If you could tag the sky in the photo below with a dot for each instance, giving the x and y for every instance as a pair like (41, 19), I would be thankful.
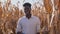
(21, 2)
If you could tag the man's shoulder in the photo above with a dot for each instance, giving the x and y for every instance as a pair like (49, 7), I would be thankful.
(35, 17)
(22, 18)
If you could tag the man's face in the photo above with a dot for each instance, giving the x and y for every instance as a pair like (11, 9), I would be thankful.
(27, 10)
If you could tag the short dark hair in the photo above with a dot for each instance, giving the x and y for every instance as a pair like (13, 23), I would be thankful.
(27, 4)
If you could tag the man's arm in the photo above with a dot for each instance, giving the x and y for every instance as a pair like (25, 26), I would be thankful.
(38, 32)
(18, 29)
(38, 26)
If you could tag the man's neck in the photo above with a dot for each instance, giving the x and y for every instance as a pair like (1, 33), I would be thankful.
(28, 16)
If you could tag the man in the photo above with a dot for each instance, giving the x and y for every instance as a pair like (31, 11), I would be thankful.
(28, 24)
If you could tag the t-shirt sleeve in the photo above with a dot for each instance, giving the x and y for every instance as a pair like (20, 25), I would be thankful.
(38, 25)
(18, 29)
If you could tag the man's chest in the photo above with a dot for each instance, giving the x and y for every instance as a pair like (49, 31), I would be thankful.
(29, 23)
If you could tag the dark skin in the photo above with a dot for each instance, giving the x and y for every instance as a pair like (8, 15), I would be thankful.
(27, 11)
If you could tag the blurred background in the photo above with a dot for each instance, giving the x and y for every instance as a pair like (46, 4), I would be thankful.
(48, 12)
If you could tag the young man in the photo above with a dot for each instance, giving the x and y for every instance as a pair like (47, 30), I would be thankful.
(28, 24)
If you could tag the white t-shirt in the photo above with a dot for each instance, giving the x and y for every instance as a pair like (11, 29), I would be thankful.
(28, 26)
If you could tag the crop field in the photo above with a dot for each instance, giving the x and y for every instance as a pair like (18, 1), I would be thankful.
(49, 15)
